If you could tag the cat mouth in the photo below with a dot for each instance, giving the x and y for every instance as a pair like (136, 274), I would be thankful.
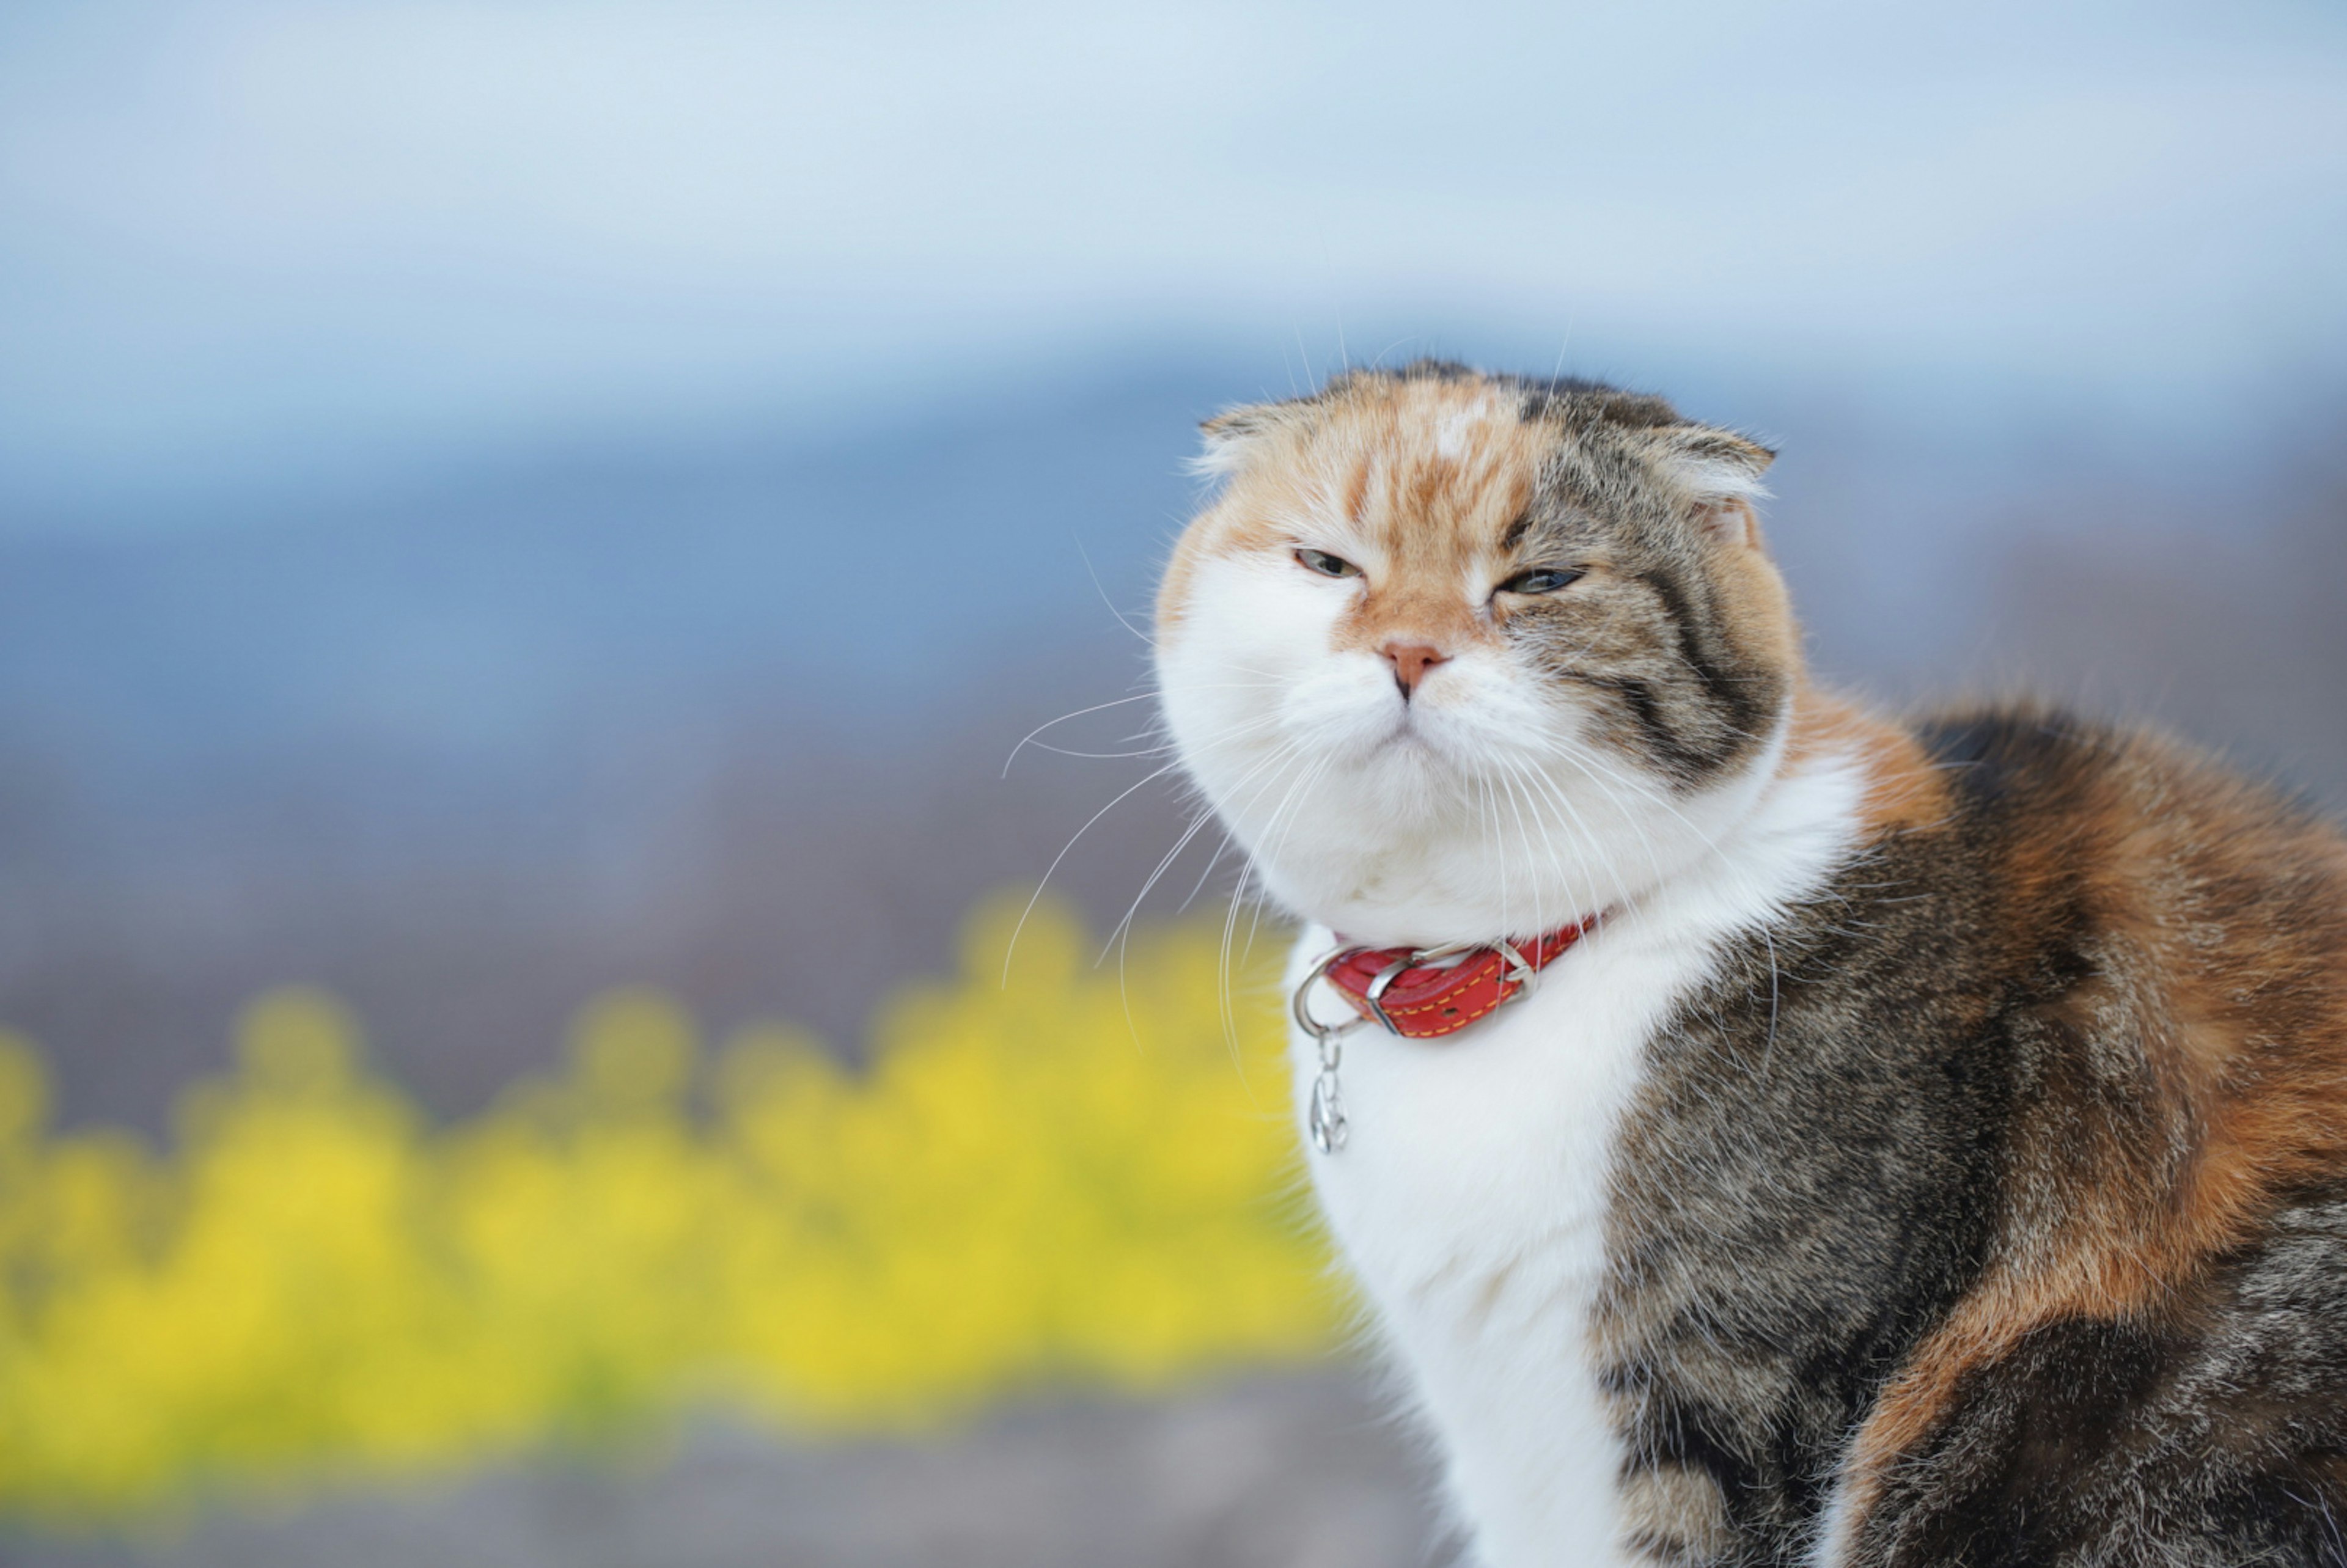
(1410, 735)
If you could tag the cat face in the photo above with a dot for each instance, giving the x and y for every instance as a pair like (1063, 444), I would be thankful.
(1459, 656)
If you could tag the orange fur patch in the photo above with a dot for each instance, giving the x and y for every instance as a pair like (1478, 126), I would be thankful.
(1425, 476)
(2111, 1215)
(1903, 790)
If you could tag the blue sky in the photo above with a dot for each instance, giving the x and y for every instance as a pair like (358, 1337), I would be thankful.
(243, 235)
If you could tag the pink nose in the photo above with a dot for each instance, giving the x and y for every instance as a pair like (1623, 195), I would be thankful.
(1410, 662)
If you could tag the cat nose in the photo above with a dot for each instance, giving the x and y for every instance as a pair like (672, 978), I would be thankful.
(1410, 662)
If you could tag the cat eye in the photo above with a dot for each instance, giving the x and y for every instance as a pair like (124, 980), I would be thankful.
(1325, 564)
(1540, 579)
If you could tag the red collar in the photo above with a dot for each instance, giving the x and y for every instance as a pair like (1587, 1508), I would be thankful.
(1425, 994)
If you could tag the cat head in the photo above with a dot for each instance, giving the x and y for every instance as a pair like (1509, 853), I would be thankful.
(1457, 656)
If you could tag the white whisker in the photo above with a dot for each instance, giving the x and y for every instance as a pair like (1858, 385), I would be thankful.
(1012, 946)
(1147, 641)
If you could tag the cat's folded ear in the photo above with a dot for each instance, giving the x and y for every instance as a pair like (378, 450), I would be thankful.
(1234, 435)
(1718, 472)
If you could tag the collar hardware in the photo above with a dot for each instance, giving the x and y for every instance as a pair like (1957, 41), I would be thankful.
(1414, 993)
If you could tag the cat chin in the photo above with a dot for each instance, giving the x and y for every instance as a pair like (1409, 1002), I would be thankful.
(1342, 859)
(1427, 847)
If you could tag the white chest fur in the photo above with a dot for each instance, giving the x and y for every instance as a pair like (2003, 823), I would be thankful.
(1471, 1201)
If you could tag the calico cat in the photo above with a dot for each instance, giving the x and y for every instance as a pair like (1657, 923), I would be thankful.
(1851, 1142)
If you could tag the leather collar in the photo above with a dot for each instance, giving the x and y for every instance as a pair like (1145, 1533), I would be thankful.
(1428, 993)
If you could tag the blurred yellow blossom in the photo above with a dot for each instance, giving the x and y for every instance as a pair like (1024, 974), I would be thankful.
(1066, 1178)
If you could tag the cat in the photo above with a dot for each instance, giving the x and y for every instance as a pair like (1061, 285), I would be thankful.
(1877, 1143)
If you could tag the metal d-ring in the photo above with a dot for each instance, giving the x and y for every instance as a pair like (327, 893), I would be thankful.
(1323, 1032)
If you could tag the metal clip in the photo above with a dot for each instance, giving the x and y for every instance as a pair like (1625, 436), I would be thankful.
(1326, 1119)
(1329, 1128)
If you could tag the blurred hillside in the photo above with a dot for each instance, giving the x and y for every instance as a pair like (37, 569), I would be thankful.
(730, 717)
(729, 714)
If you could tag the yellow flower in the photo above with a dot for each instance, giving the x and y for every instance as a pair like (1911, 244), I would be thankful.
(1074, 1176)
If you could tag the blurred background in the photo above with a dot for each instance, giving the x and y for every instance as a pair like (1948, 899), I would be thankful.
(539, 528)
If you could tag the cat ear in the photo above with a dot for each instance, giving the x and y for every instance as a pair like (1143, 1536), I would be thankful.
(1718, 471)
(1714, 465)
(1231, 436)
